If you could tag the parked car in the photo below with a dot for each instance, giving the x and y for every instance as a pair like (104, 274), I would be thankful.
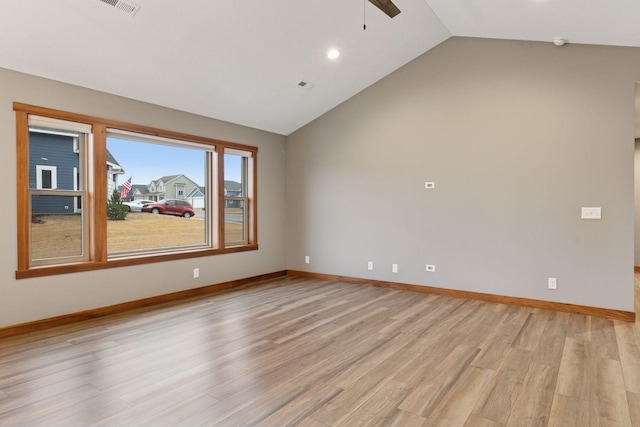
(136, 205)
(170, 207)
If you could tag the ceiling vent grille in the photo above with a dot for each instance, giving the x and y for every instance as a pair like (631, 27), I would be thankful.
(305, 84)
(125, 6)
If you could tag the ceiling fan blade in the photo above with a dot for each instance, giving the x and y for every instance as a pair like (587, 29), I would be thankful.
(386, 6)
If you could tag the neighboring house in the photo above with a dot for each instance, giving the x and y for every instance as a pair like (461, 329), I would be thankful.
(232, 189)
(168, 187)
(54, 164)
(196, 197)
(181, 187)
(138, 192)
(171, 187)
(113, 170)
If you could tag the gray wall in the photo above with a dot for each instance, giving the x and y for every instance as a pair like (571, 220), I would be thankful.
(517, 136)
(31, 299)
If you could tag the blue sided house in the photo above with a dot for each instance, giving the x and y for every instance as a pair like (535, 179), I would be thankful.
(54, 164)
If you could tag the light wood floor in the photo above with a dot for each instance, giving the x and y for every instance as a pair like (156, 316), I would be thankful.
(314, 353)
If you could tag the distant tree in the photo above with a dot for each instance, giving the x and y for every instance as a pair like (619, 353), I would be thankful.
(116, 210)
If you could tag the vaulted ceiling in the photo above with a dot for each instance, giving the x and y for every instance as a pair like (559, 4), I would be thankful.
(242, 61)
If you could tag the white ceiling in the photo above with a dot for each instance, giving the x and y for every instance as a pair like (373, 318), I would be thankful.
(240, 61)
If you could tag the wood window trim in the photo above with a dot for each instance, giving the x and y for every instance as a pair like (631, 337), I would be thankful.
(98, 218)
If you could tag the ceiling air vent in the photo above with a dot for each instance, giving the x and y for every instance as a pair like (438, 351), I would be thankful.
(304, 84)
(125, 6)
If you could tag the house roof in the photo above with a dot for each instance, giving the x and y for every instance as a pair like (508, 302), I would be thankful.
(253, 77)
(232, 186)
(142, 189)
(196, 192)
(113, 162)
(167, 178)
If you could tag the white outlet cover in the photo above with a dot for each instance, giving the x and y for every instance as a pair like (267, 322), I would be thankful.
(306, 259)
(370, 265)
(553, 283)
(429, 185)
(431, 268)
(394, 268)
(594, 212)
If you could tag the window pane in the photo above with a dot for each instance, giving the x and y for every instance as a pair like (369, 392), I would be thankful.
(173, 178)
(234, 173)
(46, 179)
(53, 161)
(235, 199)
(56, 228)
(234, 221)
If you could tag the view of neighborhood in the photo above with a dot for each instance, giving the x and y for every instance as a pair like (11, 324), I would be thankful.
(54, 164)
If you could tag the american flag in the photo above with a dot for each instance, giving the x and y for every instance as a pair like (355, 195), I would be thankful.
(126, 187)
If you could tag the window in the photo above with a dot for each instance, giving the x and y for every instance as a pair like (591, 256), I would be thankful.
(46, 177)
(70, 164)
(178, 164)
(55, 194)
(236, 164)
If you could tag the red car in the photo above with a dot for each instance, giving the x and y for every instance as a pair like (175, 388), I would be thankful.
(170, 207)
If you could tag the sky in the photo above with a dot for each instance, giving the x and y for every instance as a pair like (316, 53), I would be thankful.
(146, 162)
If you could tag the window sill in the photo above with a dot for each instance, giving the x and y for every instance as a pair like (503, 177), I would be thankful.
(127, 261)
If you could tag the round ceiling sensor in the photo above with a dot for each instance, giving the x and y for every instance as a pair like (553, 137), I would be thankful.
(559, 41)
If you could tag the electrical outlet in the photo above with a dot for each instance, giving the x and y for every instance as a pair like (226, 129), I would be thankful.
(591, 213)
(429, 185)
(431, 268)
(370, 265)
(306, 259)
(394, 268)
(553, 283)
(196, 273)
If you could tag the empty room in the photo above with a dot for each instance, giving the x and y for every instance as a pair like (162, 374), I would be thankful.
(407, 213)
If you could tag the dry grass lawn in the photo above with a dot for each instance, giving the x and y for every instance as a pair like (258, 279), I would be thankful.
(60, 235)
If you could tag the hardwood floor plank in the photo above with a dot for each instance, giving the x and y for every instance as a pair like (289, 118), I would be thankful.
(302, 406)
(310, 422)
(609, 404)
(499, 396)
(551, 344)
(180, 413)
(574, 376)
(379, 408)
(317, 353)
(27, 414)
(238, 410)
(629, 352)
(400, 418)
(531, 331)
(430, 392)
(569, 411)
(634, 407)
(533, 406)
(492, 355)
(603, 339)
(579, 327)
(473, 421)
(335, 410)
(458, 403)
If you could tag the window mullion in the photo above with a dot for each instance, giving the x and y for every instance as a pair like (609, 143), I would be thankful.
(22, 182)
(220, 195)
(97, 155)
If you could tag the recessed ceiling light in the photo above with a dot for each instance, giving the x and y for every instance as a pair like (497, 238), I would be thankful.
(333, 54)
